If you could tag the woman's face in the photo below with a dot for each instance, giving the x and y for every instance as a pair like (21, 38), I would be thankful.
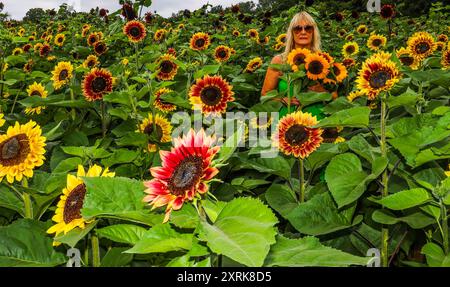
(303, 34)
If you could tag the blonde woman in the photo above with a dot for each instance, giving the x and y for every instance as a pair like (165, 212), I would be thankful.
(302, 33)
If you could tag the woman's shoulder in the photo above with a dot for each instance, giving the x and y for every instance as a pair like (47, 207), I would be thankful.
(277, 59)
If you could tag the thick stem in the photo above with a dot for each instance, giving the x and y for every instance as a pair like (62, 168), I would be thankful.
(95, 251)
(385, 192)
(301, 177)
(102, 107)
(136, 58)
(28, 205)
(289, 93)
(444, 223)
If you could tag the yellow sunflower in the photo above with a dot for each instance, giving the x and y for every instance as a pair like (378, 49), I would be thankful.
(68, 212)
(405, 57)
(17, 51)
(377, 74)
(167, 68)
(236, 33)
(421, 45)
(317, 67)
(222, 54)
(354, 95)
(253, 34)
(159, 35)
(445, 61)
(59, 40)
(200, 41)
(62, 74)
(2, 121)
(375, 42)
(362, 29)
(253, 65)
(340, 72)
(350, 49)
(297, 57)
(91, 62)
(36, 90)
(160, 128)
(281, 38)
(22, 150)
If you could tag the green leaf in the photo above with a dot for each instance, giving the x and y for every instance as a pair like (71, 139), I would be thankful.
(122, 233)
(313, 97)
(116, 197)
(75, 235)
(186, 217)
(206, 70)
(281, 198)
(213, 209)
(435, 255)
(230, 145)
(25, 243)
(359, 145)
(68, 164)
(162, 238)
(353, 117)
(416, 220)
(319, 215)
(120, 156)
(115, 257)
(308, 251)
(243, 231)
(279, 165)
(8, 199)
(405, 199)
(408, 98)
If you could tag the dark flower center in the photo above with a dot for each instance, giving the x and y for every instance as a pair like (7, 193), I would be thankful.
(186, 175)
(135, 32)
(199, 43)
(166, 67)
(98, 84)
(74, 203)
(91, 63)
(422, 48)
(100, 48)
(336, 71)
(36, 93)
(315, 67)
(149, 130)
(14, 150)
(211, 95)
(330, 135)
(299, 59)
(407, 60)
(376, 42)
(296, 135)
(60, 39)
(378, 79)
(222, 54)
(350, 49)
(92, 39)
(63, 75)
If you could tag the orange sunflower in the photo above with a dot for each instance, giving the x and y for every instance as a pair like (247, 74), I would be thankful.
(297, 57)
(253, 65)
(160, 104)
(421, 45)
(200, 41)
(135, 31)
(317, 66)
(296, 136)
(167, 68)
(100, 48)
(222, 54)
(375, 42)
(97, 83)
(212, 94)
(185, 172)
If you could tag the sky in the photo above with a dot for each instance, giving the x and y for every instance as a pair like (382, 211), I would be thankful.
(18, 8)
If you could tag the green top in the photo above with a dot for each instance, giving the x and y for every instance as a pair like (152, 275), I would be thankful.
(314, 109)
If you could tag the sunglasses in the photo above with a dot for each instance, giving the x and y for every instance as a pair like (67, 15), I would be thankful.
(307, 28)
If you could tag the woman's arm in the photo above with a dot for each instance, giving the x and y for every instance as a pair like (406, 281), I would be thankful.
(272, 75)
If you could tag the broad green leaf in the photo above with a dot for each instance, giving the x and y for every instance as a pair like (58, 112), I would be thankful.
(308, 251)
(359, 145)
(115, 257)
(25, 243)
(278, 165)
(281, 198)
(416, 220)
(120, 156)
(122, 233)
(353, 117)
(213, 209)
(405, 199)
(435, 255)
(75, 235)
(319, 215)
(313, 97)
(408, 98)
(68, 164)
(230, 145)
(186, 217)
(8, 199)
(162, 238)
(243, 231)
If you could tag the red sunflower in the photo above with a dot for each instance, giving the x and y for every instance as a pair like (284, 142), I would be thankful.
(160, 104)
(185, 172)
(295, 135)
(100, 48)
(96, 84)
(135, 31)
(212, 94)
(45, 50)
(167, 68)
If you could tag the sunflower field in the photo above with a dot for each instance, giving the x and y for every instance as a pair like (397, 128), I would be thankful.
(92, 158)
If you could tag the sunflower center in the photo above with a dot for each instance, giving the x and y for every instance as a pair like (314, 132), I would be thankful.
(135, 32)
(36, 93)
(422, 48)
(100, 48)
(211, 95)
(350, 49)
(296, 135)
(222, 54)
(91, 63)
(98, 84)
(166, 67)
(74, 203)
(330, 135)
(186, 175)
(376, 42)
(60, 40)
(200, 42)
(378, 79)
(315, 67)
(92, 39)
(336, 71)
(407, 60)
(149, 130)
(299, 59)
(14, 150)
(63, 75)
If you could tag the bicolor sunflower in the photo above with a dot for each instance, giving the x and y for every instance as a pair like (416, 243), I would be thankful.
(59, 40)
(167, 68)
(317, 67)
(22, 150)
(296, 136)
(339, 71)
(185, 172)
(160, 128)
(92, 39)
(91, 62)
(297, 57)
(376, 42)
(253, 34)
(28, 66)
(26, 48)
(281, 38)
(354, 95)
(327, 57)
(36, 90)
(236, 33)
(442, 38)
(17, 51)
(211, 94)
(350, 49)
(62, 74)
(159, 35)
(135, 31)
(100, 48)
(362, 29)
(160, 104)
(200, 41)
(253, 65)
(45, 50)
(68, 212)
(421, 45)
(377, 74)
(387, 12)
(405, 57)
(97, 83)
(445, 60)
(222, 54)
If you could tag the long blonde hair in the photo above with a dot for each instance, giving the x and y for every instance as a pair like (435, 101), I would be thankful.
(290, 44)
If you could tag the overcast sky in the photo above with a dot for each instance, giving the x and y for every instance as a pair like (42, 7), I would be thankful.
(18, 8)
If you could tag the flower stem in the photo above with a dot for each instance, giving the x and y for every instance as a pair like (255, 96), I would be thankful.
(28, 205)
(103, 109)
(289, 93)
(95, 251)
(444, 223)
(385, 192)
(301, 177)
